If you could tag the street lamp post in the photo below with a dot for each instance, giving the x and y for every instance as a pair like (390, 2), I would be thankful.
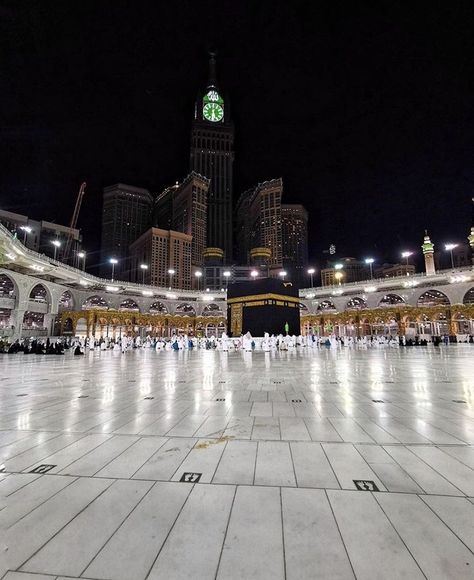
(26, 230)
(450, 248)
(282, 274)
(338, 275)
(171, 272)
(254, 274)
(198, 275)
(113, 261)
(226, 275)
(370, 261)
(144, 268)
(406, 255)
(311, 271)
(56, 244)
(82, 256)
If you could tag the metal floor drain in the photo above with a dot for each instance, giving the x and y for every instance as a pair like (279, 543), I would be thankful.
(377, 401)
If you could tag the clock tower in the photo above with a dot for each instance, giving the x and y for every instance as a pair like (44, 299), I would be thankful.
(212, 155)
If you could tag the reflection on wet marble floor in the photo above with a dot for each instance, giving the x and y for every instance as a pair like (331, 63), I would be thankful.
(293, 465)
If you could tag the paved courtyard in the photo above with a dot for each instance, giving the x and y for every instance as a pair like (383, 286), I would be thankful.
(204, 465)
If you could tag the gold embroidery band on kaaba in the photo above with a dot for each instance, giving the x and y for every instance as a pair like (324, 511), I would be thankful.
(279, 300)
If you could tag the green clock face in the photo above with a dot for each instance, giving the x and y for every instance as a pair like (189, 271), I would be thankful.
(213, 107)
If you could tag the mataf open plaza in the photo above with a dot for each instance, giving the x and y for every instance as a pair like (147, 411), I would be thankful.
(313, 462)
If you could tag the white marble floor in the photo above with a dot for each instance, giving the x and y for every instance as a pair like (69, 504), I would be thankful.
(208, 465)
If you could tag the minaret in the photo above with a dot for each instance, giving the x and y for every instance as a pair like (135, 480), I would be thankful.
(428, 252)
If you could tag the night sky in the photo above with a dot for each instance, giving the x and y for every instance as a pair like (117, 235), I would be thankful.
(366, 113)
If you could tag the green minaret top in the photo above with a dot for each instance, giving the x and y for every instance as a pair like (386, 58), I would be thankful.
(427, 246)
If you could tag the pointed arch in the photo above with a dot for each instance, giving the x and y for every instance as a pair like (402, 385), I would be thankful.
(433, 298)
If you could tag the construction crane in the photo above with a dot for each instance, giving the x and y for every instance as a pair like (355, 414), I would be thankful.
(75, 216)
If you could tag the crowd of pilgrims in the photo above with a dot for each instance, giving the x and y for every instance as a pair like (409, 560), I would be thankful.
(245, 342)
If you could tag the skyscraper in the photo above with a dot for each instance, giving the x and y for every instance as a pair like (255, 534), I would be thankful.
(126, 215)
(294, 234)
(183, 208)
(163, 251)
(259, 221)
(212, 155)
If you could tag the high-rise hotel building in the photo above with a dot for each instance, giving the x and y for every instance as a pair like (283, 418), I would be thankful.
(126, 214)
(294, 235)
(258, 221)
(183, 208)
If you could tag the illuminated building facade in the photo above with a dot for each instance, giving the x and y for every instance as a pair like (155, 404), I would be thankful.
(162, 251)
(294, 235)
(183, 208)
(126, 214)
(259, 221)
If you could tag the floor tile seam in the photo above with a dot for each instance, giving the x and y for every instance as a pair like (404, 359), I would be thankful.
(344, 440)
(73, 479)
(148, 459)
(445, 523)
(105, 464)
(183, 460)
(294, 468)
(90, 428)
(436, 471)
(160, 416)
(283, 531)
(410, 477)
(453, 457)
(21, 487)
(374, 495)
(219, 461)
(413, 477)
(370, 419)
(44, 456)
(397, 420)
(74, 442)
(169, 531)
(117, 528)
(253, 427)
(88, 452)
(340, 533)
(179, 418)
(438, 429)
(330, 465)
(65, 525)
(374, 471)
(303, 424)
(225, 533)
(255, 463)
(16, 440)
(456, 458)
(59, 433)
(197, 429)
(53, 576)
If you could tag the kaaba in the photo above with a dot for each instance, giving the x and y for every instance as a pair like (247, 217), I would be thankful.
(264, 305)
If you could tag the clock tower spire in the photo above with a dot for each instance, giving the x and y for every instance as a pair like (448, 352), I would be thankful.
(212, 70)
(212, 155)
